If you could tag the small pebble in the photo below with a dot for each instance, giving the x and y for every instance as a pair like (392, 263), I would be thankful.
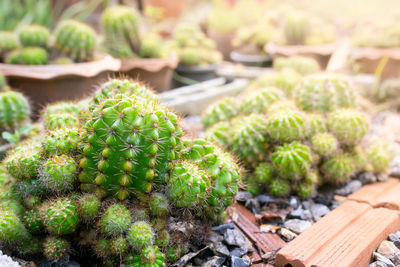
(394, 237)
(318, 211)
(239, 262)
(294, 202)
(381, 177)
(383, 259)
(7, 261)
(234, 237)
(214, 262)
(367, 178)
(286, 233)
(220, 249)
(395, 167)
(239, 252)
(221, 229)
(253, 205)
(307, 204)
(387, 249)
(268, 256)
(301, 214)
(243, 196)
(350, 188)
(297, 226)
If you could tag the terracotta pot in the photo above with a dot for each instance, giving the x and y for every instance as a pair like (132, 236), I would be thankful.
(222, 42)
(321, 53)
(368, 59)
(51, 83)
(156, 72)
(172, 9)
(193, 74)
(251, 60)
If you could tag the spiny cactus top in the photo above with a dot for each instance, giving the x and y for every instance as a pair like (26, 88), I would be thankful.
(8, 41)
(296, 28)
(221, 110)
(34, 35)
(138, 142)
(303, 65)
(75, 39)
(28, 56)
(257, 101)
(14, 110)
(121, 25)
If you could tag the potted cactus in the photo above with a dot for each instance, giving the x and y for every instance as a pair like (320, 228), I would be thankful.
(51, 67)
(112, 179)
(143, 55)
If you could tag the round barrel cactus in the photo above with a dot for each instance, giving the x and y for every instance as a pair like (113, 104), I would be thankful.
(34, 35)
(28, 56)
(8, 41)
(14, 110)
(222, 110)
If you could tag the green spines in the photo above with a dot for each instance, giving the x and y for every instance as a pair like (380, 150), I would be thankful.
(325, 144)
(316, 124)
(158, 204)
(75, 39)
(56, 248)
(348, 125)
(138, 142)
(285, 79)
(279, 187)
(116, 220)
(257, 101)
(88, 207)
(58, 108)
(28, 56)
(151, 46)
(222, 110)
(324, 93)
(14, 110)
(58, 173)
(150, 256)
(25, 160)
(33, 222)
(60, 216)
(61, 141)
(12, 230)
(61, 120)
(263, 173)
(292, 161)
(303, 65)
(8, 41)
(379, 156)
(305, 189)
(338, 168)
(219, 133)
(102, 247)
(119, 245)
(162, 238)
(34, 35)
(121, 26)
(286, 126)
(140, 235)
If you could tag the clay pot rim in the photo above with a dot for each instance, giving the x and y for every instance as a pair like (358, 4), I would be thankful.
(292, 50)
(375, 53)
(149, 64)
(48, 72)
(240, 57)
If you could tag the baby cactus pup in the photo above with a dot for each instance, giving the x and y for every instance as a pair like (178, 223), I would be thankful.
(257, 101)
(279, 187)
(188, 185)
(348, 125)
(140, 235)
(379, 156)
(34, 35)
(292, 161)
(119, 245)
(12, 231)
(286, 126)
(305, 189)
(324, 93)
(58, 173)
(61, 120)
(263, 173)
(338, 168)
(162, 239)
(32, 221)
(24, 161)
(281, 105)
(219, 133)
(222, 110)
(325, 144)
(88, 207)
(138, 142)
(75, 39)
(103, 247)
(121, 25)
(116, 220)
(316, 124)
(149, 256)
(60, 216)
(158, 204)
(8, 41)
(56, 248)
(28, 56)
(14, 110)
(61, 141)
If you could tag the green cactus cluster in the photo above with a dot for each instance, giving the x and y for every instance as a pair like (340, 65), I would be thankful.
(8, 42)
(112, 172)
(14, 110)
(34, 35)
(28, 56)
(294, 145)
(302, 65)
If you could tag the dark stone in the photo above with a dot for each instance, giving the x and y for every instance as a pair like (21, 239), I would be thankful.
(397, 244)
(377, 264)
(214, 262)
(66, 262)
(220, 249)
(243, 196)
(236, 238)
(221, 229)
(321, 199)
(239, 262)
(318, 211)
(294, 202)
(300, 214)
(366, 178)
(253, 205)
(239, 252)
(263, 199)
(350, 188)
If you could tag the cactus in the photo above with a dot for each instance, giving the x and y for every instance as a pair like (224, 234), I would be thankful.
(379, 156)
(24, 161)
(158, 204)
(32, 222)
(75, 39)
(151, 46)
(305, 189)
(162, 239)
(140, 235)
(282, 105)
(285, 79)
(348, 125)
(150, 256)
(121, 26)
(56, 248)
(28, 56)
(279, 187)
(34, 35)
(8, 41)
(60, 107)
(58, 173)
(61, 141)
(296, 28)
(60, 216)
(325, 144)
(115, 220)
(219, 133)
(286, 126)
(88, 207)
(12, 230)
(324, 93)
(222, 110)
(3, 83)
(257, 101)
(292, 161)
(102, 247)
(119, 245)
(147, 135)
(338, 168)
(14, 110)
(302, 65)
(61, 120)
(62, 61)
(316, 124)
(263, 173)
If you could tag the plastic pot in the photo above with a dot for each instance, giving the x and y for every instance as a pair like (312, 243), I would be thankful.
(51, 83)
(251, 60)
(156, 72)
(321, 53)
(188, 75)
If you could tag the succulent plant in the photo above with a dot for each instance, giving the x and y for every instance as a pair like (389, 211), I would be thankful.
(58, 173)
(305, 189)
(338, 168)
(379, 155)
(325, 144)
(60, 120)
(8, 41)
(115, 220)
(119, 245)
(3, 82)
(12, 230)
(301, 64)
(151, 46)
(75, 39)
(150, 256)
(34, 35)
(140, 235)
(61, 141)
(158, 204)
(33, 222)
(316, 124)
(14, 110)
(56, 248)
(257, 101)
(285, 79)
(121, 26)
(348, 125)
(28, 56)
(222, 110)
(88, 207)
(263, 173)
(219, 133)
(296, 28)
(60, 216)
(279, 187)
(286, 126)
(162, 239)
